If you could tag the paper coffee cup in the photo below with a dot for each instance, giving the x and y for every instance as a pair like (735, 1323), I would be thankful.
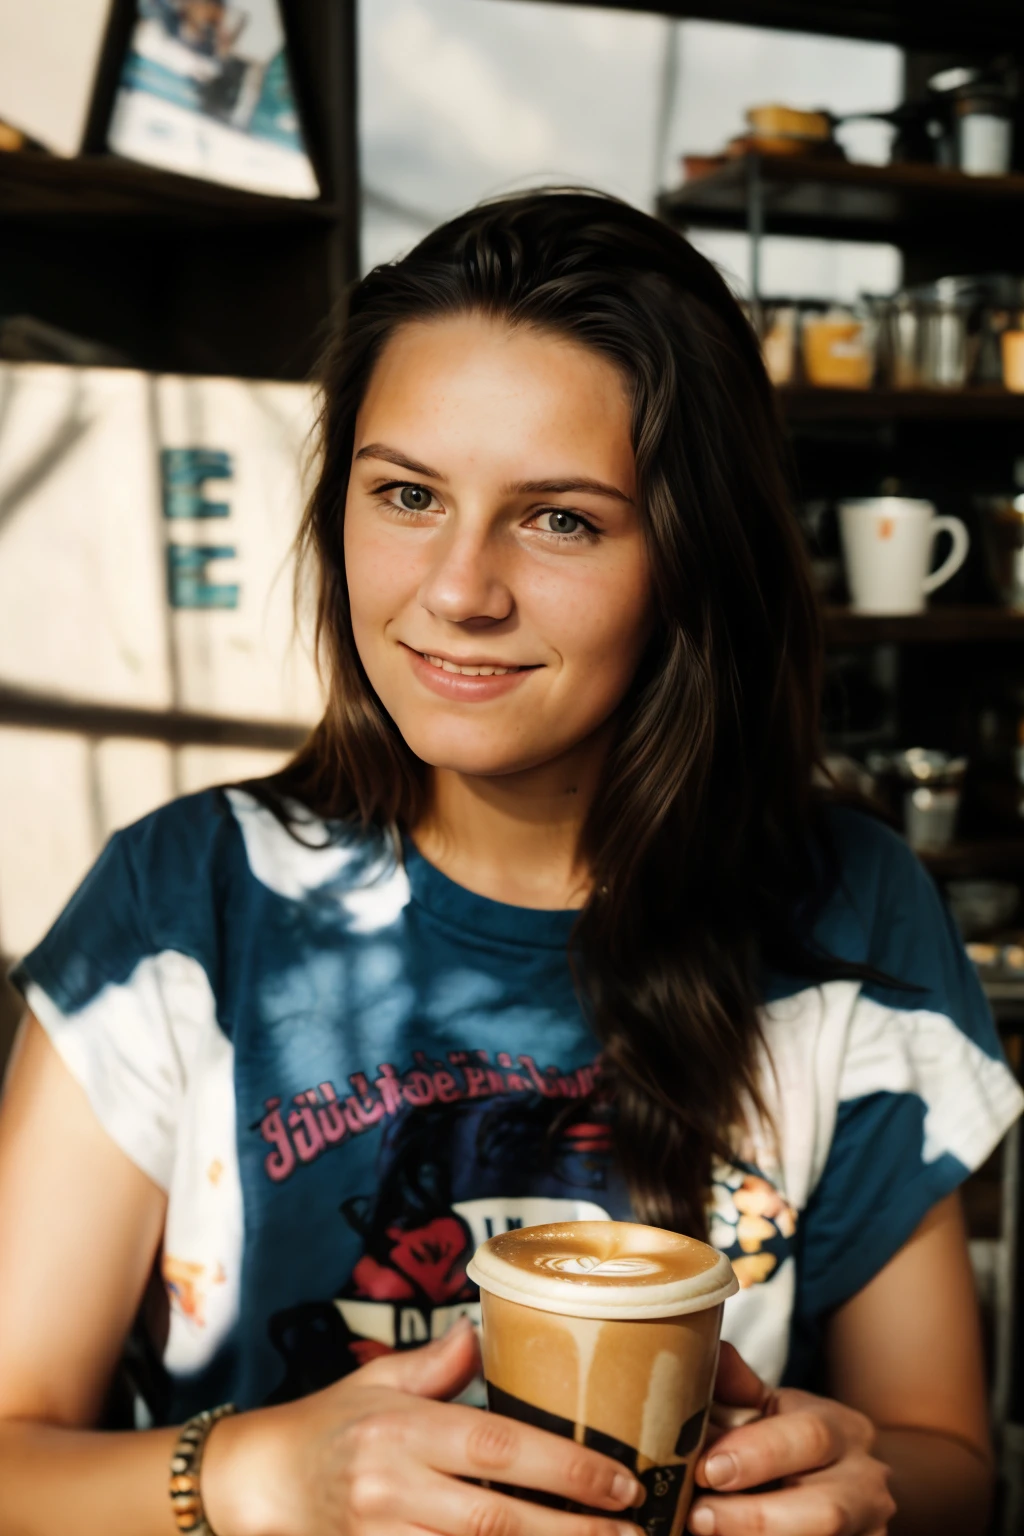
(607, 1332)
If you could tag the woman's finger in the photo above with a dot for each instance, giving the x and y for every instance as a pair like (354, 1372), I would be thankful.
(440, 1369)
(782, 1446)
(467, 1443)
(447, 1507)
(804, 1511)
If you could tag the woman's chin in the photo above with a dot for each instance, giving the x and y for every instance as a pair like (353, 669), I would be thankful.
(473, 759)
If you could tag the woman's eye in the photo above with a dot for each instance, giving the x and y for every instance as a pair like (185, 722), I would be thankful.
(415, 498)
(559, 521)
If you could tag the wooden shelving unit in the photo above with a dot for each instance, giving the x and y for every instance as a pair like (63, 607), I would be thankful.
(936, 443)
(178, 275)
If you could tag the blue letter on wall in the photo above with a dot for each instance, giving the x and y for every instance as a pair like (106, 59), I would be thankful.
(184, 472)
(187, 583)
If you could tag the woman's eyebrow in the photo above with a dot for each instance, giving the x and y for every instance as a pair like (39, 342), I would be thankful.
(555, 487)
(573, 483)
(395, 456)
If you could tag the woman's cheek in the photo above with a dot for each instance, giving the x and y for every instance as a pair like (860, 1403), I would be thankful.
(605, 629)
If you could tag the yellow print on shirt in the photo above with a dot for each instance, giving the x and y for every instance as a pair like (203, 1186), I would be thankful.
(750, 1222)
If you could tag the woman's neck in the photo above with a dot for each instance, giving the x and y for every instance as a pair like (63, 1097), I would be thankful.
(515, 838)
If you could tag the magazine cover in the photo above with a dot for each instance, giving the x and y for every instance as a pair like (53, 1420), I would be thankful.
(206, 91)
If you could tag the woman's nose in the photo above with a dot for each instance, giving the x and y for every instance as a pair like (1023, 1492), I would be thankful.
(465, 580)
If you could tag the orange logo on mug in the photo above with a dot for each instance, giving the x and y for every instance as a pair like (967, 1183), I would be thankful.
(885, 527)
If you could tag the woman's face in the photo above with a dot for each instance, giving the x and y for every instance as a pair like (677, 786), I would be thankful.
(496, 571)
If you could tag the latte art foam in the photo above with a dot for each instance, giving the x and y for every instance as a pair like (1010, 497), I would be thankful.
(586, 1264)
(603, 1269)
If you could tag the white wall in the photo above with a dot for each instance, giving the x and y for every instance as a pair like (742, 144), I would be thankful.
(84, 602)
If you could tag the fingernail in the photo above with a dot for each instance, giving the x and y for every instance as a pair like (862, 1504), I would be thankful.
(625, 1489)
(720, 1469)
(702, 1520)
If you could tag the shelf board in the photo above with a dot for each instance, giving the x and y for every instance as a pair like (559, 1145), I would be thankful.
(910, 23)
(982, 858)
(937, 626)
(909, 205)
(38, 188)
(808, 404)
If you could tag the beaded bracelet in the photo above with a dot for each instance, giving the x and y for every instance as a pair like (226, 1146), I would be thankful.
(186, 1461)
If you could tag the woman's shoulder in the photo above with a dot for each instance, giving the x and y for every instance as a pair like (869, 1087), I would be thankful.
(245, 833)
(188, 874)
(883, 924)
(881, 900)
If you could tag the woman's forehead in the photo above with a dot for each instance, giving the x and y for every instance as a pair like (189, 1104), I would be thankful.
(487, 393)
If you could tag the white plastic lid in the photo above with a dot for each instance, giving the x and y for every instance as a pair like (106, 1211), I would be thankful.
(605, 1269)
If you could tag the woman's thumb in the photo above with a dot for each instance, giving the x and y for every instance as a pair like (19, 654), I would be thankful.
(441, 1369)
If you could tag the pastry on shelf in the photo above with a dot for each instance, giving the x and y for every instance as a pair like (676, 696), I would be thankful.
(779, 130)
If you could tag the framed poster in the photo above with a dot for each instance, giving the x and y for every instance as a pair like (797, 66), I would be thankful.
(206, 91)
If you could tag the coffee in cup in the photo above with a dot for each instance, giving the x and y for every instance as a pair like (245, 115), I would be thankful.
(607, 1332)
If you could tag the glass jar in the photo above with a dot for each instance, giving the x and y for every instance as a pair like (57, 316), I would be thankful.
(838, 348)
(984, 132)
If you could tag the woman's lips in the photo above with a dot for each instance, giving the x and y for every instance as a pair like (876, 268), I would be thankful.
(464, 686)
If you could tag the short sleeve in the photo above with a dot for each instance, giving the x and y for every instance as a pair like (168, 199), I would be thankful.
(122, 1007)
(925, 1094)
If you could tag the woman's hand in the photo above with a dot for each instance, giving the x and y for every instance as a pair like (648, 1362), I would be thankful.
(818, 1452)
(377, 1455)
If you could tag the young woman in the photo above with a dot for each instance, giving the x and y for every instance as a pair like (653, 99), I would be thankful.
(546, 920)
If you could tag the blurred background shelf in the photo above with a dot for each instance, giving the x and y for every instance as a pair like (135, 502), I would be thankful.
(970, 860)
(36, 187)
(807, 405)
(942, 625)
(835, 199)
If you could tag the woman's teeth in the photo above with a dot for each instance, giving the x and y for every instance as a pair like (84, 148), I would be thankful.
(450, 666)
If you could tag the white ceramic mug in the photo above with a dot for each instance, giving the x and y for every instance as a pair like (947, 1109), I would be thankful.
(887, 545)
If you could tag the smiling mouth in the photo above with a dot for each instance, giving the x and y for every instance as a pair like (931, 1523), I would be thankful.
(481, 669)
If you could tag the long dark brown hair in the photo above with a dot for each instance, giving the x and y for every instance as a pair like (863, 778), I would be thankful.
(706, 840)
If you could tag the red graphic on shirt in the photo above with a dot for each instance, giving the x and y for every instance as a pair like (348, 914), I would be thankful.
(432, 1258)
(585, 1137)
(378, 1283)
(449, 1174)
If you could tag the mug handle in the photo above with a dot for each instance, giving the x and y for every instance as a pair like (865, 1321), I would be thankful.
(957, 555)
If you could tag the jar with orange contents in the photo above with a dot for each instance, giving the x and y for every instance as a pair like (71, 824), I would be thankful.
(838, 349)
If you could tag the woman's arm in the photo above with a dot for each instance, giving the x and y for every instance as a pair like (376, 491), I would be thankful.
(80, 1226)
(373, 1455)
(906, 1351)
(905, 1365)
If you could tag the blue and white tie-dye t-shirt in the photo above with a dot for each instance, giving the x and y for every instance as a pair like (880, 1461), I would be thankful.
(346, 1071)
